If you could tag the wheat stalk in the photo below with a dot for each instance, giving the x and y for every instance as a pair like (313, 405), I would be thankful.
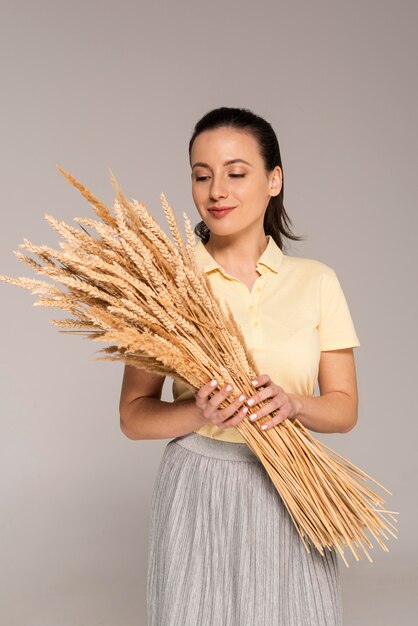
(134, 288)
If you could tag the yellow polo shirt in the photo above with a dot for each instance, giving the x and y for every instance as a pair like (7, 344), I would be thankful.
(296, 309)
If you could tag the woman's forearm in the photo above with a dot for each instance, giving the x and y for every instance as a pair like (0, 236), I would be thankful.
(332, 412)
(151, 418)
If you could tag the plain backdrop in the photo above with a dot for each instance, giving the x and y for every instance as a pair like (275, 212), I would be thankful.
(96, 85)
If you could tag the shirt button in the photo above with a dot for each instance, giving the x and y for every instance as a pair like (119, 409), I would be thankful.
(255, 324)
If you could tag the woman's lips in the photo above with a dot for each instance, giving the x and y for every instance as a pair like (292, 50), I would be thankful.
(221, 212)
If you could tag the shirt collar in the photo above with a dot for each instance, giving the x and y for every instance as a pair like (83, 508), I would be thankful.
(271, 257)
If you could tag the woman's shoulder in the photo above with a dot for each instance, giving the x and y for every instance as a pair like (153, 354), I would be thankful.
(306, 265)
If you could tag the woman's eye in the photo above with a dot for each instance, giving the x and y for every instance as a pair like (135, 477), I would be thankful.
(202, 178)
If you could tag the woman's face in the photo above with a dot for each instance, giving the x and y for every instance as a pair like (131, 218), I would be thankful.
(230, 186)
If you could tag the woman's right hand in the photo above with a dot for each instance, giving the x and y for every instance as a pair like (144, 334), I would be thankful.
(209, 406)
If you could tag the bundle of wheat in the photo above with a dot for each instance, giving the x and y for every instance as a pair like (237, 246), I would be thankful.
(131, 286)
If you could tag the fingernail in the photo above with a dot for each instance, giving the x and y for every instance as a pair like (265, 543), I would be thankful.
(254, 382)
(229, 388)
(250, 402)
(213, 383)
(244, 410)
(241, 398)
(253, 417)
(264, 426)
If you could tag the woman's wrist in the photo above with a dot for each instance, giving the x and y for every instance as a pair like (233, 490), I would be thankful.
(332, 412)
(296, 401)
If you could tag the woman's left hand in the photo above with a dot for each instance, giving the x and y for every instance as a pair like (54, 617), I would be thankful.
(285, 404)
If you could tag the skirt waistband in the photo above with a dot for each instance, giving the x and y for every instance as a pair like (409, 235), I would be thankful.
(216, 448)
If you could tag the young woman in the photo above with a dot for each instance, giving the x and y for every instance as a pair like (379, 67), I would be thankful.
(223, 550)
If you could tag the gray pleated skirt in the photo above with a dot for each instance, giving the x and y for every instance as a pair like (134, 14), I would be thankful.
(223, 550)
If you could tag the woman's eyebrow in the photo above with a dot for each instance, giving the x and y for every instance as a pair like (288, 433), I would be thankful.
(226, 163)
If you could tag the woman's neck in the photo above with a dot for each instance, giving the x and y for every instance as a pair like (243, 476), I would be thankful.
(238, 255)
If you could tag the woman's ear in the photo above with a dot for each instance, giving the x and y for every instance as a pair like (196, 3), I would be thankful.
(276, 181)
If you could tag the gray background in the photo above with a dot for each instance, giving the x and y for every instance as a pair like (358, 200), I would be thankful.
(95, 85)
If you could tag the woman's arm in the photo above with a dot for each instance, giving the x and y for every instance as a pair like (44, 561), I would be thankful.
(334, 411)
(143, 415)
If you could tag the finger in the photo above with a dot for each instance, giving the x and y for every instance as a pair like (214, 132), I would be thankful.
(206, 390)
(220, 396)
(262, 379)
(230, 410)
(271, 408)
(235, 419)
(263, 394)
(274, 421)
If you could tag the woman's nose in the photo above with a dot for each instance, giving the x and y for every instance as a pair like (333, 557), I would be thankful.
(218, 189)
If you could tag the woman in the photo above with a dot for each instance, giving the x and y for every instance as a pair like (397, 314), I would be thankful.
(223, 550)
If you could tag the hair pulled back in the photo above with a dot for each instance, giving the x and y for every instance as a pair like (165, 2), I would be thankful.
(276, 221)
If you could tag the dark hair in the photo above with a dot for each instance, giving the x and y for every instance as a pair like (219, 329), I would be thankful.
(276, 221)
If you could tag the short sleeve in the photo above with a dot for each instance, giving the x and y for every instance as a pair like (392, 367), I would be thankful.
(336, 328)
